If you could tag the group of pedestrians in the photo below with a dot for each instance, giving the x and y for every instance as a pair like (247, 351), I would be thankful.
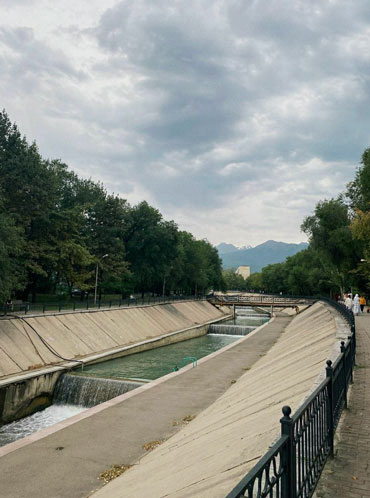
(356, 304)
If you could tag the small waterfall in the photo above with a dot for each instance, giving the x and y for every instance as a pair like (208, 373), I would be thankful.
(246, 320)
(89, 391)
(218, 328)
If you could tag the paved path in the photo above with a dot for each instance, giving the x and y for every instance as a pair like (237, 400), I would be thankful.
(66, 464)
(348, 474)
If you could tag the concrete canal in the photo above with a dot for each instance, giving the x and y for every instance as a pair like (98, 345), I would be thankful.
(82, 389)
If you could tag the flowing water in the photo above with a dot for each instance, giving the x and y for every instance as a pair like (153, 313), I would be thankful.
(97, 383)
(87, 391)
(150, 365)
(245, 321)
(28, 425)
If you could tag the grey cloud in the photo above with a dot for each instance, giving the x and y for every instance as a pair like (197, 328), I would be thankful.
(200, 103)
(30, 57)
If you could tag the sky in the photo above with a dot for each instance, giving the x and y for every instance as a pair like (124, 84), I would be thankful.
(232, 117)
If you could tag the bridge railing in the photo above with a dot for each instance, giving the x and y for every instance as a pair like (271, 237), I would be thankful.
(293, 465)
(264, 299)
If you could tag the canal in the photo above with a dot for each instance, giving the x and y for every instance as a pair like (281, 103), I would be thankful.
(75, 392)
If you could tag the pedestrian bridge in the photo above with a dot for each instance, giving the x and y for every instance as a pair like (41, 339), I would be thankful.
(259, 300)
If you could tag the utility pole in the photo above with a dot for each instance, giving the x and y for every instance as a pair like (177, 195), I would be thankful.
(96, 277)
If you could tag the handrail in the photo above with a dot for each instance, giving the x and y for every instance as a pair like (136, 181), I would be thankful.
(189, 359)
(292, 467)
(27, 307)
(261, 299)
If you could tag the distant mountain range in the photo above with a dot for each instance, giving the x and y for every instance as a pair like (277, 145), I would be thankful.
(257, 257)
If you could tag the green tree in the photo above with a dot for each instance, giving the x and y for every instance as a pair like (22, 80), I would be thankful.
(234, 281)
(106, 225)
(273, 278)
(29, 189)
(254, 282)
(11, 274)
(330, 234)
(151, 245)
(358, 191)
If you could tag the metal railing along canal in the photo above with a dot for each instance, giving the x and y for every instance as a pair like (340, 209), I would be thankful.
(26, 307)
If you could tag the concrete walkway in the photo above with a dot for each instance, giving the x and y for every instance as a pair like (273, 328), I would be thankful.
(348, 474)
(67, 463)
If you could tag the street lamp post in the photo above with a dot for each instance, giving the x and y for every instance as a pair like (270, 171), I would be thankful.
(96, 277)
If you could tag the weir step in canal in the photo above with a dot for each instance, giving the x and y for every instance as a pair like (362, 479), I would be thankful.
(89, 391)
(245, 321)
(239, 330)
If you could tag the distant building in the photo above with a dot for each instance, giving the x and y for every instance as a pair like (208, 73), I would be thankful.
(244, 271)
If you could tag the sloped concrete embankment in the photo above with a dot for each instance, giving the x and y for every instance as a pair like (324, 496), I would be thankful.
(211, 455)
(26, 377)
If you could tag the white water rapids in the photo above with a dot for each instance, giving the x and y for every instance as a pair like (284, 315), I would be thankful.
(45, 418)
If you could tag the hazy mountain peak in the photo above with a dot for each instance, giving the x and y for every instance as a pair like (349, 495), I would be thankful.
(225, 248)
(257, 257)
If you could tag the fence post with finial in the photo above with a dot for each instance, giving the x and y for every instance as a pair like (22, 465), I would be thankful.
(288, 455)
(343, 351)
(330, 406)
(353, 330)
(352, 362)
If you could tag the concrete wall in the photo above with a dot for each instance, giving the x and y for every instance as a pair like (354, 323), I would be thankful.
(23, 398)
(81, 334)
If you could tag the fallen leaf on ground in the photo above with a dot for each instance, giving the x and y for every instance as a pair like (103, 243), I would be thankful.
(113, 472)
(152, 444)
(188, 418)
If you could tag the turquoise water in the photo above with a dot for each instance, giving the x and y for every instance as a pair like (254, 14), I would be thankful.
(157, 362)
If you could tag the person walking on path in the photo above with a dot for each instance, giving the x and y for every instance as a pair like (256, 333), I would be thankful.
(362, 303)
(356, 305)
(348, 301)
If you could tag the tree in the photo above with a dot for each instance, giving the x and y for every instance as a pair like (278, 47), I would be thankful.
(11, 274)
(273, 278)
(254, 282)
(234, 281)
(29, 189)
(106, 225)
(330, 234)
(358, 191)
(151, 245)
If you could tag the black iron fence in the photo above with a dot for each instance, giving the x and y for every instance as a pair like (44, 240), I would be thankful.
(25, 307)
(292, 467)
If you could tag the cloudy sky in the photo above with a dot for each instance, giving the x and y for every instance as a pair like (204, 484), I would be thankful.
(232, 117)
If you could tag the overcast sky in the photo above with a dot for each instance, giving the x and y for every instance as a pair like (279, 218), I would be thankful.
(232, 117)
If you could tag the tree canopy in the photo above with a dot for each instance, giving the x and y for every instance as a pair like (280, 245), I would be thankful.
(56, 229)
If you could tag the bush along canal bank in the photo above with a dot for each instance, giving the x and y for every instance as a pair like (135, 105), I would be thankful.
(81, 389)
